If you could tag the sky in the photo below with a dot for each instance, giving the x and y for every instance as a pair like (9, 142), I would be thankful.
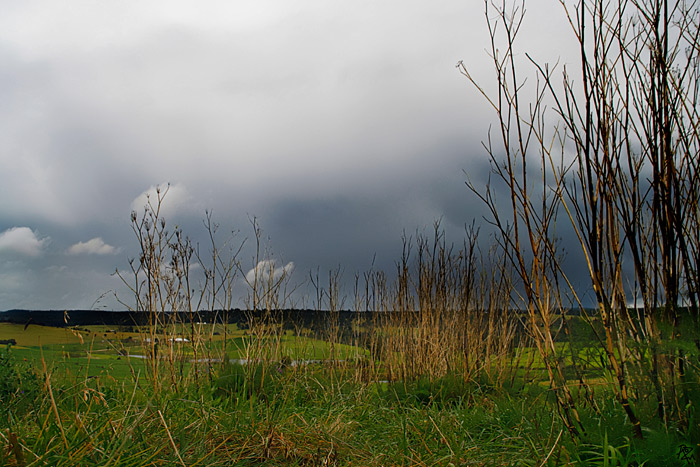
(337, 126)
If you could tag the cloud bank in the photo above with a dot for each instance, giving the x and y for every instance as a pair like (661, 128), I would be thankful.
(338, 125)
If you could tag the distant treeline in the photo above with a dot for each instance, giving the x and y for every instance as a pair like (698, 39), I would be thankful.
(312, 319)
(290, 318)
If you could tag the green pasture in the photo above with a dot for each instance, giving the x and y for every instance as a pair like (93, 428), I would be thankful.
(117, 352)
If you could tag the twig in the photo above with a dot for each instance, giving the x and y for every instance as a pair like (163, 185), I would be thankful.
(165, 425)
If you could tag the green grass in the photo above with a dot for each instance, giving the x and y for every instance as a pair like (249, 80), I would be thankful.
(305, 418)
(33, 335)
(104, 350)
(86, 403)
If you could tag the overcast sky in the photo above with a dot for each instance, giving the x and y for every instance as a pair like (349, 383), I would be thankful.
(338, 125)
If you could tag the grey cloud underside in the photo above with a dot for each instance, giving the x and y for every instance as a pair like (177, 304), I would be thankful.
(338, 126)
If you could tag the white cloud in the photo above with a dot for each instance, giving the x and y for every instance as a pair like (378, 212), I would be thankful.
(94, 246)
(22, 240)
(266, 269)
(173, 198)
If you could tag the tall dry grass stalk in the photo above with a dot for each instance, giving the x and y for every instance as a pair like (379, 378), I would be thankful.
(621, 161)
(526, 227)
(268, 294)
(446, 313)
(164, 287)
(633, 197)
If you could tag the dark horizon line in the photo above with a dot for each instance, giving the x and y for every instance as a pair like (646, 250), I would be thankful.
(572, 310)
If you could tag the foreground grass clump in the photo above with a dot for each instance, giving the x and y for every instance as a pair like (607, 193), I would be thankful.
(310, 418)
(317, 414)
(20, 386)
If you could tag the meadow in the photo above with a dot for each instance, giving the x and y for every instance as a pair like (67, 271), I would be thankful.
(86, 396)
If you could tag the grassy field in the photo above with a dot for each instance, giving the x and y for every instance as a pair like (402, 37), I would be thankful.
(111, 351)
(86, 397)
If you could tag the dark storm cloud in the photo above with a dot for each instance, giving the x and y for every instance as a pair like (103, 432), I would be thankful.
(340, 126)
(357, 231)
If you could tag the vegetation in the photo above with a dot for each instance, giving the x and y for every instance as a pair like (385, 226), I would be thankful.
(465, 355)
(328, 412)
(621, 162)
